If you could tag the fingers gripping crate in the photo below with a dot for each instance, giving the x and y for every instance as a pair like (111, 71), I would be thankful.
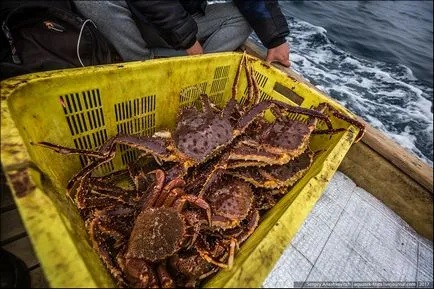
(83, 107)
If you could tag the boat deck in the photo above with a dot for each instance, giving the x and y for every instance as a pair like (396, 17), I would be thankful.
(348, 236)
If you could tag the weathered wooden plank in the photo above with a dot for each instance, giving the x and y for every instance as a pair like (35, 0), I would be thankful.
(37, 279)
(11, 226)
(22, 248)
(391, 151)
(406, 197)
(397, 155)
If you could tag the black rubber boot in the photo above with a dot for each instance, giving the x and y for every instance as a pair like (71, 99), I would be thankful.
(13, 271)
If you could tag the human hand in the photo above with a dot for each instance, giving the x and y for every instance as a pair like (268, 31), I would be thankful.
(195, 49)
(279, 54)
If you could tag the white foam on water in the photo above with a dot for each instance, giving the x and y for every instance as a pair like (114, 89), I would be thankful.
(386, 95)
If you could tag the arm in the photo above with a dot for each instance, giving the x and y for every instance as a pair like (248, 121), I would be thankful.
(169, 18)
(270, 25)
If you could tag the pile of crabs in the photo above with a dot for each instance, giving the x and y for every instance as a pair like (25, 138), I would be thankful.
(197, 193)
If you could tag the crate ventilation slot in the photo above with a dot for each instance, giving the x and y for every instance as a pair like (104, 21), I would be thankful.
(189, 95)
(221, 75)
(84, 115)
(136, 117)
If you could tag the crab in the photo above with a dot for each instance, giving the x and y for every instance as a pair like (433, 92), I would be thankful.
(134, 232)
(215, 249)
(275, 154)
(230, 200)
(189, 268)
(275, 176)
(199, 136)
(233, 220)
(110, 211)
(210, 252)
(277, 142)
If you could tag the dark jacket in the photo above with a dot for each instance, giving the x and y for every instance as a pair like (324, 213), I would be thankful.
(174, 23)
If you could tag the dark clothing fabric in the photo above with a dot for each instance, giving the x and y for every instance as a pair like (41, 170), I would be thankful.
(266, 19)
(174, 23)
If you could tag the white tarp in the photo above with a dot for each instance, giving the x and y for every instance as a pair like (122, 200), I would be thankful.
(352, 236)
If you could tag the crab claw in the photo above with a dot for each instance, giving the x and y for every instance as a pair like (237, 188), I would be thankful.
(198, 201)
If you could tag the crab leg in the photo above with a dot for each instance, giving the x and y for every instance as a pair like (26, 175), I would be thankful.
(212, 261)
(112, 190)
(276, 176)
(165, 280)
(101, 153)
(152, 145)
(98, 202)
(258, 109)
(156, 190)
(141, 181)
(252, 151)
(350, 120)
(213, 177)
(206, 105)
(249, 83)
(231, 253)
(153, 278)
(67, 151)
(212, 271)
(87, 170)
(116, 218)
(229, 108)
(106, 153)
(179, 204)
(328, 131)
(196, 229)
(112, 177)
(173, 195)
(136, 173)
(276, 112)
(138, 273)
(98, 242)
(176, 183)
(255, 87)
(237, 76)
(230, 261)
(253, 220)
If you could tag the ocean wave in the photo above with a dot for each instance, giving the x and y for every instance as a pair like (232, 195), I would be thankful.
(386, 95)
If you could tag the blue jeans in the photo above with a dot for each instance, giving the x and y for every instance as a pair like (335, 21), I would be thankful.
(222, 28)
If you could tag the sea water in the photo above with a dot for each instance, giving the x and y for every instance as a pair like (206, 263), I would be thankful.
(374, 57)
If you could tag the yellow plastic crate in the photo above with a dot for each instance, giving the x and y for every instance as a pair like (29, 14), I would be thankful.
(84, 107)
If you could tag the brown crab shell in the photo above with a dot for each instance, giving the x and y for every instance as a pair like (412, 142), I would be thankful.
(276, 176)
(191, 264)
(199, 135)
(252, 155)
(264, 200)
(230, 200)
(245, 228)
(276, 143)
(157, 234)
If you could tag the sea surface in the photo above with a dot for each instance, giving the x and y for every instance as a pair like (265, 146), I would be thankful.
(374, 57)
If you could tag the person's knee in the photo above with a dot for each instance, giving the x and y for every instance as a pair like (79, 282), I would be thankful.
(245, 31)
(236, 20)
